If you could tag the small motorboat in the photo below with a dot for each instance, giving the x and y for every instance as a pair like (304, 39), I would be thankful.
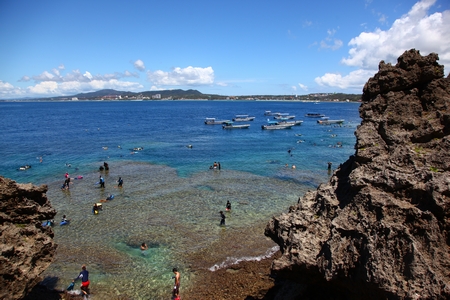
(231, 125)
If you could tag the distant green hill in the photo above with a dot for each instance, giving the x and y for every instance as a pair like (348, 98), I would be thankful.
(190, 94)
(110, 94)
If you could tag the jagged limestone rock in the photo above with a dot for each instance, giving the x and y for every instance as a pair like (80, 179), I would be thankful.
(379, 229)
(26, 247)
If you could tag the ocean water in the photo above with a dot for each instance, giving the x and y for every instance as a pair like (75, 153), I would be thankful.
(170, 198)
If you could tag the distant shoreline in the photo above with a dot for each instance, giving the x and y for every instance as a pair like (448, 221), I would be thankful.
(174, 100)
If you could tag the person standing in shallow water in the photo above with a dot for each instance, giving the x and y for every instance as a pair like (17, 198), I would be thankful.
(102, 181)
(84, 276)
(119, 182)
(222, 220)
(144, 247)
(176, 287)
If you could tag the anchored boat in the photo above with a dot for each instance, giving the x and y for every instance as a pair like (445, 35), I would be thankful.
(213, 121)
(231, 125)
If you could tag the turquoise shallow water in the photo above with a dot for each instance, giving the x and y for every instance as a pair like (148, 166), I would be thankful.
(170, 198)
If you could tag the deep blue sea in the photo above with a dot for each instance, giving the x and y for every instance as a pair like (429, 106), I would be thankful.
(170, 198)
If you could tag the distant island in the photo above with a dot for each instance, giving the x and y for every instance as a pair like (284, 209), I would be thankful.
(110, 94)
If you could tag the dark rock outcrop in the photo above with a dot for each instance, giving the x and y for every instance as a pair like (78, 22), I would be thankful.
(380, 228)
(26, 247)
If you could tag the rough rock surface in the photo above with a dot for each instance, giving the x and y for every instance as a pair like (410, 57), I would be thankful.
(26, 247)
(380, 228)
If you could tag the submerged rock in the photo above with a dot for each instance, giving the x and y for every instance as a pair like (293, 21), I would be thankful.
(26, 247)
(379, 229)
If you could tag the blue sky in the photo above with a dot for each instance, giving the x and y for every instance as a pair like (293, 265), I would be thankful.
(246, 47)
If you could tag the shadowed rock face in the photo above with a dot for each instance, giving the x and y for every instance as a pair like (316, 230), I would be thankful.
(26, 248)
(379, 229)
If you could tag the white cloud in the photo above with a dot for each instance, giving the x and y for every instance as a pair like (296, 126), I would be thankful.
(129, 74)
(46, 76)
(416, 29)
(88, 75)
(55, 83)
(24, 79)
(330, 42)
(303, 87)
(49, 88)
(187, 76)
(139, 65)
(55, 71)
(45, 87)
(7, 90)
(5, 86)
(355, 79)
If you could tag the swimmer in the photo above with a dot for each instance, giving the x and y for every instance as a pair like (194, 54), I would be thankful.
(144, 246)
(95, 209)
(228, 206)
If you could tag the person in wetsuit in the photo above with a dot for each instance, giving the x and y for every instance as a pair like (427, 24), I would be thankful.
(222, 221)
(84, 276)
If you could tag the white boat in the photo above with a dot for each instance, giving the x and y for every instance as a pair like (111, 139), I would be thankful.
(231, 125)
(270, 113)
(273, 125)
(243, 118)
(213, 121)
(314, 115)
(278, 114)
(284, 117)
(326, 121)
(293, 122)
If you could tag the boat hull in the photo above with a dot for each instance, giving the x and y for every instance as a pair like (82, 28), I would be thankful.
(314, 115)
(242, 126)
(211, 121)
(294, 123)
(276, 127)
(329, 122)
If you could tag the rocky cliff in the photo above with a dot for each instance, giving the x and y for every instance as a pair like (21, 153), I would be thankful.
(26, 247)
(379, 229)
